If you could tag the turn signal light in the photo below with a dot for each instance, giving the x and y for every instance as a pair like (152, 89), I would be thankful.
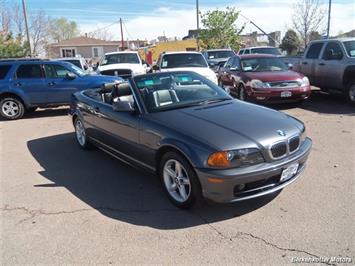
(219, 159)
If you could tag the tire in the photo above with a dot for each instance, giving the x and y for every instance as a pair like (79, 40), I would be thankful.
(31, 109)
(181, 186)
(241, 93)
(11, 108)
(350, 93)
(81, 135)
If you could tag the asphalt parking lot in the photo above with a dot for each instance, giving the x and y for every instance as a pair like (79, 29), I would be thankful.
(61, 205)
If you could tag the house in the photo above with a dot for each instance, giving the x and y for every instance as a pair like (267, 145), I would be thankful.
(89, 48)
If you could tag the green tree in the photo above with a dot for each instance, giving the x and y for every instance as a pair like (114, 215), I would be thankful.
(314, 35)
(11, 47)
(219, 29)
(290, 42)
(62, 29)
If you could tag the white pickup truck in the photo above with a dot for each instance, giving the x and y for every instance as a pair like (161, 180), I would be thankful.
(330, 65)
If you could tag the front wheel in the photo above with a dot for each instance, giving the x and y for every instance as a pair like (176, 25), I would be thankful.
(241, 93)
(11, 108)
(80, 134)
(351, 93)
(180, 181)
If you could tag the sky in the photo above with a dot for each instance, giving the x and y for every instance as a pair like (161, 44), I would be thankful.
(148, 19)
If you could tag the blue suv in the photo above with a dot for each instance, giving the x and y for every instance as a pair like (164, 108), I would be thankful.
(27, 84)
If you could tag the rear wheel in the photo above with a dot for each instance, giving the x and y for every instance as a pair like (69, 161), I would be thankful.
(11, 108)
(80, 134)
(180, 181)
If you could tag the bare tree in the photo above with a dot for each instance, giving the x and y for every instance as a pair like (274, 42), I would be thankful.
(102, 34)
(5, 17)
(17, 19)
(308, 17)
(39, 32)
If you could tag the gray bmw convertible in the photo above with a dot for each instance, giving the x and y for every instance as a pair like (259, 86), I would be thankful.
(200, 141)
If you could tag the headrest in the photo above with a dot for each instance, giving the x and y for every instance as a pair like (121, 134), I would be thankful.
(122, 89)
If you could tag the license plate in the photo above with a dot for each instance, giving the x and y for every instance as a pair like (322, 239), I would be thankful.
(286, 94)
(289, 172)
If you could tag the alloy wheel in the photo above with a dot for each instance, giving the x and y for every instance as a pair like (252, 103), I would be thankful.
(352, 93)
(80, 132)
(176, 180)
(10, 108)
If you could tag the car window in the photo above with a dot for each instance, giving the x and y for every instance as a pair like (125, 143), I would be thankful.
(266, 50)
(29, 71)
(241, 51)
(55, 71)
(350, 48)
(229, 63)
(183, 60)
(75, 62)
(124, 58)
(246, 51)
(4, 69)
(167, 91)
(314, 50)
(332, 52)
(263, 64)
(219, 54)
(236, 62)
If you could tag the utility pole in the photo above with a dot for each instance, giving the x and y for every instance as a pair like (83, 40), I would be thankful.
(26, 25)
(198, 24)
(122, 40)
(329, 10)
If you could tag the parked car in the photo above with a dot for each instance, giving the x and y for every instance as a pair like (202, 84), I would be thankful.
(80, 62)
(330, 65)
(260, 50)
(217, 57)
(27, 84)
(263, 78)
(198, 139)
(124, 64)
(184, 61)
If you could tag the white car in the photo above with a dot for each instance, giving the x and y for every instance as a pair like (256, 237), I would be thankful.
(185, 61)
(80, 62)
(124, 64)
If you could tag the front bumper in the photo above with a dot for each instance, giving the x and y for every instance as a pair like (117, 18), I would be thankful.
(259, 180)
(273, 95)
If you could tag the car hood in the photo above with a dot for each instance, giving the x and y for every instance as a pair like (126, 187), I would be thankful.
(230, 125)
(138, 68)
(271, 76)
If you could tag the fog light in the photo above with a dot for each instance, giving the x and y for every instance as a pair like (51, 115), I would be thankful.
(241, 187)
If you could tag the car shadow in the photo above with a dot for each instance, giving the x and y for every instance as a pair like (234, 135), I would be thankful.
(323, 103)
(120, 191)
(46, 113)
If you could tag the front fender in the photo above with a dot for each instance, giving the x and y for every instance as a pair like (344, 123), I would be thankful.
(18, 93)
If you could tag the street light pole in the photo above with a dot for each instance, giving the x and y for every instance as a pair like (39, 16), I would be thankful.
(329, 10)
(26, 25)
(198, 24)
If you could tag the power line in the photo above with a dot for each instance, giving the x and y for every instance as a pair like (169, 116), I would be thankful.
(105, 27)
(125, 27)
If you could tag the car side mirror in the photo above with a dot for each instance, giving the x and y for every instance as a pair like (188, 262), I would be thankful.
(290, 66)
(123, 106)
(155, 67)
(70, 76)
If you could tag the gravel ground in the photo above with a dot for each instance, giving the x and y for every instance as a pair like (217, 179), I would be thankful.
(62, 205)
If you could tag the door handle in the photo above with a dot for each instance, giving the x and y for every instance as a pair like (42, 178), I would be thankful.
(321, 64)
(18, 84)
(51, 83)
(305, 63)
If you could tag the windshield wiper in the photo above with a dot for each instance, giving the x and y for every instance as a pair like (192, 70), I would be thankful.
(205, 102)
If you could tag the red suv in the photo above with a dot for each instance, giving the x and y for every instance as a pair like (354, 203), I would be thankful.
(263, 78)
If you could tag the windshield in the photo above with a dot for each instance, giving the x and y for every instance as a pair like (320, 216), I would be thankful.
(183, 60)
(263, 64)
(266, 50)
(124, 58)
(167, 91)
(219, 54)
(74, 62)
(350, 48)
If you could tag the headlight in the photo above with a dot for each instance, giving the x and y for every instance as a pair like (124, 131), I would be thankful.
(235, 158)
(303, 81)
(255, 83)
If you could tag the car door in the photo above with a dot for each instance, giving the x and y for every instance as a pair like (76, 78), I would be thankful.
(309, 63)
(117, 131)
(29, 79)
(225, 72)
(61, 87)
(328, 69)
